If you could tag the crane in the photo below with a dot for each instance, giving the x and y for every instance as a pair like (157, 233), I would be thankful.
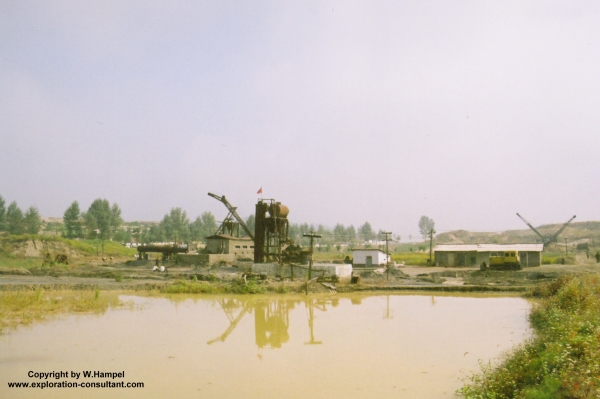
(549, 238)
(232, 212)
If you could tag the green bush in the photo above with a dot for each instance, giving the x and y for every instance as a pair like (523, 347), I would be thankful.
(190, 287)
(201, 287)
(563, 359)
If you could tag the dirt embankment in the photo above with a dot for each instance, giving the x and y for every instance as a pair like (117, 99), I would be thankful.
(39, 248)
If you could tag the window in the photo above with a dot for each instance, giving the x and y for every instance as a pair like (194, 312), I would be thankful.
(245, 246)
(237, 246)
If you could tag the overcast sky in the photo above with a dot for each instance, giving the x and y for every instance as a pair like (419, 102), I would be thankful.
(349, 111)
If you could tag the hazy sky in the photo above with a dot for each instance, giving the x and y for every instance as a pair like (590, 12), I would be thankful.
(349, 111)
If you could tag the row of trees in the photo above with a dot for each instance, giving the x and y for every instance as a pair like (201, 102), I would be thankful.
(100, 221)
(175, 226)
(14, 221)
(103, 221)
(339, 235)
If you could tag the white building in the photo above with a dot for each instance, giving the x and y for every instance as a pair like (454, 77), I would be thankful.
(369, 257)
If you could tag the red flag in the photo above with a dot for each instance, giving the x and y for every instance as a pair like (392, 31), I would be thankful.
(259, 191)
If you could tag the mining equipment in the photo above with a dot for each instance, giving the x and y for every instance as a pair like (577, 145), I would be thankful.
(271, 232)
(167, 250)
(271, 240)
(508, 260)
(230, 226)
(548, 238)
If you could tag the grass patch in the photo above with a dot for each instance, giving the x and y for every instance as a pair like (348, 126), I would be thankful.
(190, 287)
(563, 359)
(13, 262)
(9, 243)
(202, 287)
(411, 258)
(558, 259)
(25, 307)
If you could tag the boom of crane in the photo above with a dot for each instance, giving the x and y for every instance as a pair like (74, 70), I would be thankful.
(232, 213)
(549, 238)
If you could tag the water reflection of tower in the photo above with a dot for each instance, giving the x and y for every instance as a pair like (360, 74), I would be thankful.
(388, 314)
(271, 323)
(310, 304)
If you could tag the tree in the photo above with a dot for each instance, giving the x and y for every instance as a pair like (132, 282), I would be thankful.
(115, 218)
(251, 223)
(209, 224)
(175, 225)
(294, 232)
(3, 226)
(204, 226)
(14, 219)
(350, 233)
(32, 220)
(339, 233)
(98, 219)
(154, 234)
(72, 221)
(425, 226)
(366, 232)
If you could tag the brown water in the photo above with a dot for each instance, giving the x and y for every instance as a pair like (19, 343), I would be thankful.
(355, 346)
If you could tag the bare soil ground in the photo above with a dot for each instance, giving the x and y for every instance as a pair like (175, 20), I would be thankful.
(122, 275)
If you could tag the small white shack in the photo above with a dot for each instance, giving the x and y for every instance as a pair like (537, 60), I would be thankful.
(369, 257)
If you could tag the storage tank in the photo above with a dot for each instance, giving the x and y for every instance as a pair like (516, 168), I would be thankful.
(278, 210)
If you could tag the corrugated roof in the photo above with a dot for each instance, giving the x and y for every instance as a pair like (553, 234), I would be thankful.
(488, 247)
(228, 237)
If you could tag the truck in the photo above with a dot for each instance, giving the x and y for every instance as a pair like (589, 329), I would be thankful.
(508, 260)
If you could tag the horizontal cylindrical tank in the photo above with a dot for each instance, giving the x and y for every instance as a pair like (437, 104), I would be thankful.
(279, 210)
(164, 248)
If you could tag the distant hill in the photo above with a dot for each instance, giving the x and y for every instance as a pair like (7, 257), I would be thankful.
(575, 233)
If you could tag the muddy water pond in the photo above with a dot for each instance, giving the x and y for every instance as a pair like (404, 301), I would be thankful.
(335, 346)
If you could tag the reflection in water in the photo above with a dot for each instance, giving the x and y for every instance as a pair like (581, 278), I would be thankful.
(388, 312)
(311, 317)
(271, 323)
(272, 318)
(229, 306)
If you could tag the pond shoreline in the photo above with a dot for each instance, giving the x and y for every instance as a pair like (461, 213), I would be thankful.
(237, 279)
(79, 284)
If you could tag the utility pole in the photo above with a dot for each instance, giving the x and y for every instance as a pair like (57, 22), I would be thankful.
(431, 233)
(312, 236)
(387, 252)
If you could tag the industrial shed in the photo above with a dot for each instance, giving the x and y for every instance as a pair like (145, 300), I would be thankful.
(242, 247)
(369, 257)
(475, 254)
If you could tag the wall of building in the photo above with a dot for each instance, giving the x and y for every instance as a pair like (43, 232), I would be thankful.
(530, 259)
(360, 258)
(275, 269)
(474, 259)
(240, 248)
(458, 259)
(205, 259)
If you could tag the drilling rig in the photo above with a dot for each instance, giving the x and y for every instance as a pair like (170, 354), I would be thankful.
(272, 242)
(271, 231)
(232, 222)
(548, 238)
